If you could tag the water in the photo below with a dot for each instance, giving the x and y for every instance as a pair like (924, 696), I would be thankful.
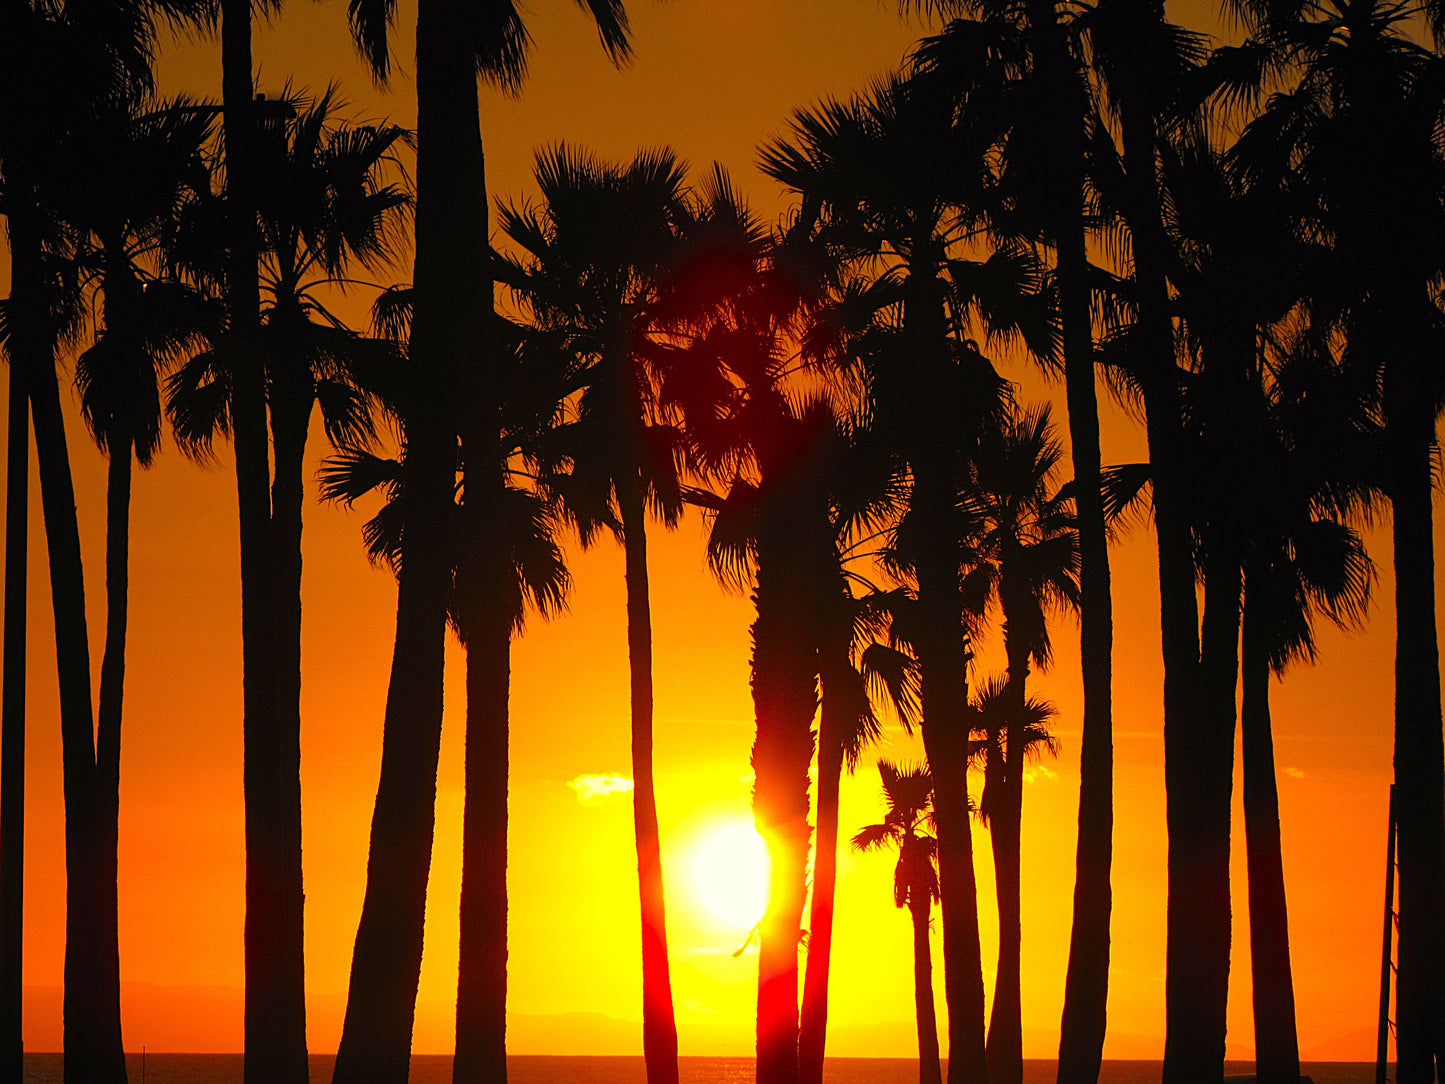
(436, 1069)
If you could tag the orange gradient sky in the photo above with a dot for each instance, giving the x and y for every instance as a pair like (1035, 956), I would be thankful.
(712, 80)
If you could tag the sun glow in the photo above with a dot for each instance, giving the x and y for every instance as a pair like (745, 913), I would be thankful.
(731, 875)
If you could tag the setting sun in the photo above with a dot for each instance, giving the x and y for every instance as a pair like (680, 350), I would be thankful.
(731, 874)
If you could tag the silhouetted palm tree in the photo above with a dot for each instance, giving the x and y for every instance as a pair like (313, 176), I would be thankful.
(1045, 170)
(1363, 94)
(453, 320)
(593, 258)
(1143, 63)
(118, 231)
(325, 205)
(523, 523)
(908, 794)
(889, 173)
(1025, 554)
(81, 68)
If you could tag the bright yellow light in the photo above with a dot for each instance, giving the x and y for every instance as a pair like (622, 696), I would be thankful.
(731, 874)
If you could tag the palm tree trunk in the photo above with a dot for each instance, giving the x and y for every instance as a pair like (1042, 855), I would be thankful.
(1419, 751)
(929, 1071)
(785, 700)
(108, 731)
(1276, 1041)
(834, 670)
(1193, 1010)
(1200, 844)
(450, 276)
(1086, 984)
(289, 423)
(943, 663)
(91, 1052)
(659, 1027)
(1005, 1029)
(275, 1020)
(481, 1050)
(12, 730)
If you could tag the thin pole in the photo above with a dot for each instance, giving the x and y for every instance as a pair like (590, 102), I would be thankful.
(1382, 1050)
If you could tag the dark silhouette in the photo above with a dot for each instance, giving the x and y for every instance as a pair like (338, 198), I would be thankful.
(1025, 550)
(908, 793)
(84, 70)
(275, 938)
(595, 252)
(883, 170)
(451, 313)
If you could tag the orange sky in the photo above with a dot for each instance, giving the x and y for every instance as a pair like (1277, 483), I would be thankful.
(712, 85)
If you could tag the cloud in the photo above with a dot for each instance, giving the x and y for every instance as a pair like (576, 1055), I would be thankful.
(1040, 773)
(1294, 773)
(591, 788)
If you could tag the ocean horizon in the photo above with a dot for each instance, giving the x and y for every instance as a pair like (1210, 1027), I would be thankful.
(149, 1068)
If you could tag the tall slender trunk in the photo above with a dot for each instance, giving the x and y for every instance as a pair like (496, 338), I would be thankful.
(837, 679)
(929, 1070)
(659, 1027)
(1200, 843)
(450, 276)
(943, 662)
(290, 420)
(1086, 983)
(92, 1053)
(1276, 1041)
(12, 729)
(1419, 751)
(1005, 1028)
(1190, 1009)
(785, 699)
(481, 1049)
(275, 1012)
(108, 733)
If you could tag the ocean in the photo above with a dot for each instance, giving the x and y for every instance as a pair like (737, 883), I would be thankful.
(436, 1069)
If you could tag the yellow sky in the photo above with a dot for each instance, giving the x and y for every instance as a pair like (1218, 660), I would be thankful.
(712, 83)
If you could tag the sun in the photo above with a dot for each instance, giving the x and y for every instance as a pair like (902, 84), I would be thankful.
(731, 875)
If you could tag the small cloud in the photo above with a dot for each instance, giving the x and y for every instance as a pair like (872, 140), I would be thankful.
(1294, 773)
(1040, 772)
(591, 788)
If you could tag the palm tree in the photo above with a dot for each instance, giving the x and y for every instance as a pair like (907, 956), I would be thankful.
(452, 315)
(1143, 62)
(1363, 95)
(275, 1009)
(594, 255)
(82, 68)
(888, 173)
(908, 794)
(147, 322)
(1045, 168)
(325, 204)
(1025, 547)
(523, 525)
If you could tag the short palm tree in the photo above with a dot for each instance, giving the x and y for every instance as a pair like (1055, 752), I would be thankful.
(1024, 547)
(906, 828)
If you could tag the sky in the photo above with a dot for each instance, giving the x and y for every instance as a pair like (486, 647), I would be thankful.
(713, 81)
